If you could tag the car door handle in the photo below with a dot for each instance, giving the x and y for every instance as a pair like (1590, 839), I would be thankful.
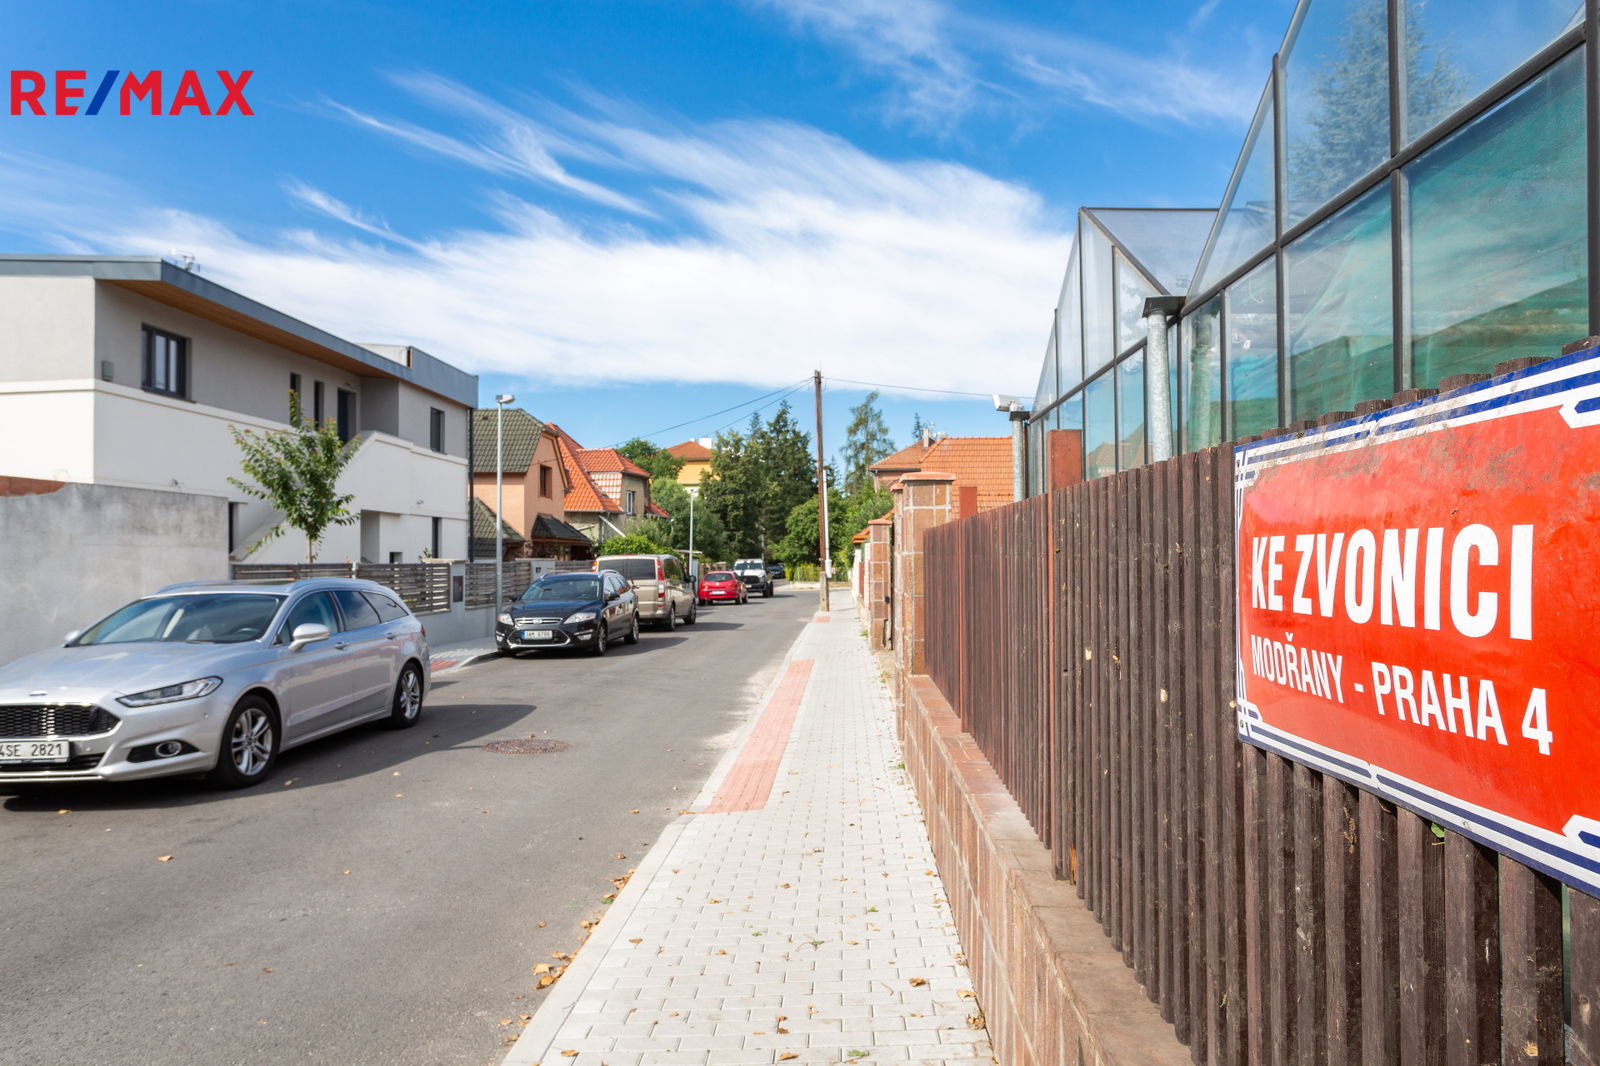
(391, 636)
(341, 647)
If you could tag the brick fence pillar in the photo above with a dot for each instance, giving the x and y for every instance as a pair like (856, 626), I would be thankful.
(924, 502)
(877, 583)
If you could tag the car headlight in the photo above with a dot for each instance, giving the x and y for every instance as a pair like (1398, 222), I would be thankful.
(189, 690)
(505, 620)
(581, 616)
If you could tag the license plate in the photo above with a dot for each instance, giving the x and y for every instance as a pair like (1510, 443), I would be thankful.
(538, 634)
(35, 750)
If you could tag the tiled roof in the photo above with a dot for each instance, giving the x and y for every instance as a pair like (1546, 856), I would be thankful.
(907, 458)
(691, 451)
(981, 461)
(548, 528)
(522, 432)
(583, 495)
(655, 510)
(483, 525)
(609, 459)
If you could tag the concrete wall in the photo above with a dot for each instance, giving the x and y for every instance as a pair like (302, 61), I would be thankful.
(69, 557)
(48, 326)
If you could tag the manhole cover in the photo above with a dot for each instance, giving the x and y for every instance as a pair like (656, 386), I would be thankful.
(530, 746)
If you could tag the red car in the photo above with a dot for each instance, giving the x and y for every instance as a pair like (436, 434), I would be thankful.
(720, 586)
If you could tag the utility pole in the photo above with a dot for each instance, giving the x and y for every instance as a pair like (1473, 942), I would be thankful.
(822, 504)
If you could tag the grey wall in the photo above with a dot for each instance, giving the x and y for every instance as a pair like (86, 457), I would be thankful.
(68, 558)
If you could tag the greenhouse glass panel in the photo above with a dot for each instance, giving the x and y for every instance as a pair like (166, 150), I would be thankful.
(1130, 412)
(1457, 50)
(1252, 352)
(1200, 379)
(1100, 427)
(1512, 280)
(1166, 241)
(1132, 288)
(1099, 329)
(1336, 82)
(1248, 219)
(1339, 299)
(1069, 329)
(1174, 361)
(1048, 388)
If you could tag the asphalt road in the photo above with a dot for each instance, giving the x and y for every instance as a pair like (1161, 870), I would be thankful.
(378, 900)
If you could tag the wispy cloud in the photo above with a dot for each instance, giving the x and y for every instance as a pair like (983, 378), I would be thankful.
(795, 249)
(945, 62)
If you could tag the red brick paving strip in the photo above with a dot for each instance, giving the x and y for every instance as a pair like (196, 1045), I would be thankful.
(749, 783)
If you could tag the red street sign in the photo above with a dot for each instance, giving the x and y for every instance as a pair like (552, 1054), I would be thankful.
(1418, 590)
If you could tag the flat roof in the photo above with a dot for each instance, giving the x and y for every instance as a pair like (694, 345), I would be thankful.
(164, 282)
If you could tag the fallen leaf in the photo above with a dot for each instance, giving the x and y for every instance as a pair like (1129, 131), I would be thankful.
(713, 901)
(966, 993)
(621, 856)
(163, 858)
(344, 873)
(569, 1054)
(634, 811)
(636, 940)
(395, 774)
(546, 981)
(787, 1055)
(289, 782)
(918, 982)
(543, 967)
(64, 811)
(541, 925)
(266, 969)
(975, 1021)
(505, 1021)
(485, 812)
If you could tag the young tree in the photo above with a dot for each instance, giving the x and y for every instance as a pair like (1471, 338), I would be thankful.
(637, 542)
(297, 471)
(785, 472)
(866, 440)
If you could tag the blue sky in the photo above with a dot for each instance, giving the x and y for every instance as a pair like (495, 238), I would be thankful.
(633, 214)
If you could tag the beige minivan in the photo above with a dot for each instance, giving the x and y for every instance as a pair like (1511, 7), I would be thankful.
(666, 594)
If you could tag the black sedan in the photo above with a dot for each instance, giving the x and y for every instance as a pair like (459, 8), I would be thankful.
(586, 610)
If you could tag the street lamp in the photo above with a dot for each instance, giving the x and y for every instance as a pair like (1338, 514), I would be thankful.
(500, 495)
(694, 571)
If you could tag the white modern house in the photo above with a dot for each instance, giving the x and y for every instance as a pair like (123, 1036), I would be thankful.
(129, 372)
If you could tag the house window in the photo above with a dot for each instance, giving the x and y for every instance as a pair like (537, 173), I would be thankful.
(436, 429)
(166, 363)
(347, 414)
(438, 537)
(396, 557)
(317, 405)
(630, 499)
(544, 480)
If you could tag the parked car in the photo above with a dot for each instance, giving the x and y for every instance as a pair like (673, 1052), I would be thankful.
(666, 595)
(754, 574)
(216, 678)
(722, 586)
(585, 610)
(776, 570)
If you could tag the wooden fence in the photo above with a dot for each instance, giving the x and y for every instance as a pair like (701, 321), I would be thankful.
(1275, 915)
(425, 587)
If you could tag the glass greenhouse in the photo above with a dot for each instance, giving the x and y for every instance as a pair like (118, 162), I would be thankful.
(1415, 199)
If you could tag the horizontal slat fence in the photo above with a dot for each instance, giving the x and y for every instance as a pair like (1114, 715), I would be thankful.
(1276, 916)
(425, 587)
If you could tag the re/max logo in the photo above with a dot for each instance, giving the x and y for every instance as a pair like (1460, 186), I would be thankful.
(30, 90)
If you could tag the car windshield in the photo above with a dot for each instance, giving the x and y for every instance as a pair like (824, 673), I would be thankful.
(563, 588)
(198, 618)
(718, 575)
(632, 569)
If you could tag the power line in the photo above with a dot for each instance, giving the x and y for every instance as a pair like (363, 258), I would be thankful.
(786, 394)
(714, 414)
(905, 388)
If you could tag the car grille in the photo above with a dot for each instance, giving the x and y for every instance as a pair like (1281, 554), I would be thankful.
(21, 721)
(525, 623)
(76, 764)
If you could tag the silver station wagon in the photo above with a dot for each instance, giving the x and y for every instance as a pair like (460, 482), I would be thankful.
(213, 678)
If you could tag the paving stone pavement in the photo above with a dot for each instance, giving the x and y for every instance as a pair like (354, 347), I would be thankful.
(810, 929)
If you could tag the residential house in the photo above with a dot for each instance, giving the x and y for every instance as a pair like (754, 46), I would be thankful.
(981, 467)
(609, 493)
(131, 372)
(534, 486)
(696, 456)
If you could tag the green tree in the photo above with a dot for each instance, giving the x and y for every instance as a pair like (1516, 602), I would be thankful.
(866, 440)
(917, 426)
(658, 461)
(756, 479)
(858, 510)
(710, 536)
(636, 542)
(296, 471)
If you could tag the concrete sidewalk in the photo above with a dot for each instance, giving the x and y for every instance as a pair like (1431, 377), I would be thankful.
(795, 917)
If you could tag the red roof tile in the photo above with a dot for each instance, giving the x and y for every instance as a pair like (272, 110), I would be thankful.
(690, 450)
(609, 459)
(981, 461)
(583, 495)
(907, 458)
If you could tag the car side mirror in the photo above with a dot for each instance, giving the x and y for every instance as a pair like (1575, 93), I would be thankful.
(309, 633)
(613, 596)
(70, 637)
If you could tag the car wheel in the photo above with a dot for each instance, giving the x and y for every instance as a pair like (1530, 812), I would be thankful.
(672, 619)
(694, 613)
(599, 646)
(249, 745)
(767, 592)
(407, 705)
(633, 630)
